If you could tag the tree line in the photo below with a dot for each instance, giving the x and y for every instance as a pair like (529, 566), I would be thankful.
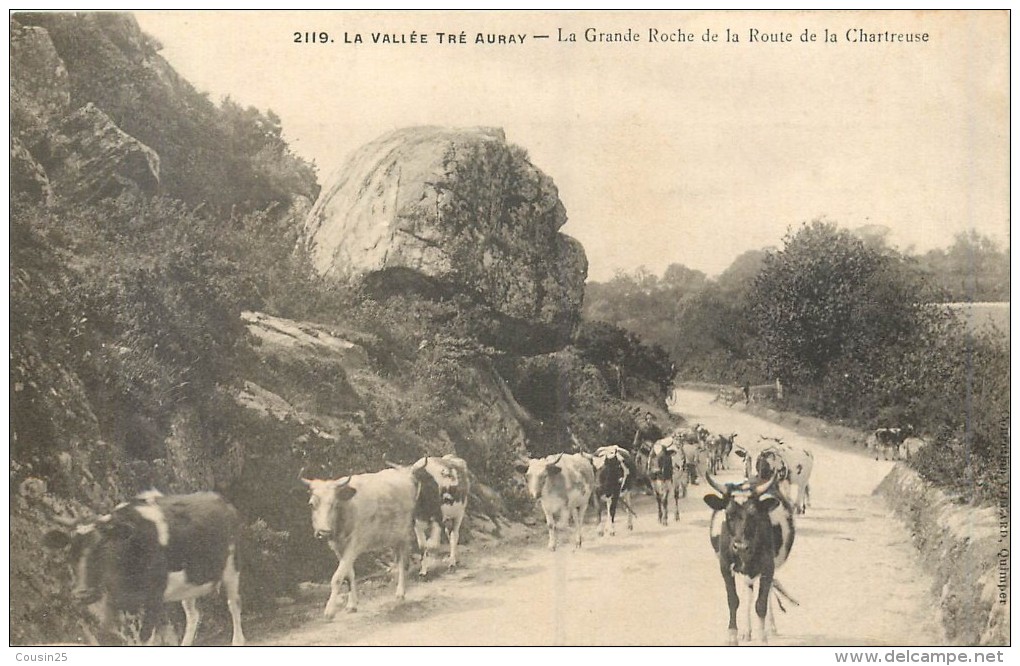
(856, 330)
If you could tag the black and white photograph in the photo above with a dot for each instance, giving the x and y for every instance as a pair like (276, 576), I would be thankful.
(493, 329)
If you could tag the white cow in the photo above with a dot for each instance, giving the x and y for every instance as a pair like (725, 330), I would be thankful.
(791, 465)
(363, 513)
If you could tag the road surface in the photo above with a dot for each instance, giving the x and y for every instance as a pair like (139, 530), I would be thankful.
(852, 568)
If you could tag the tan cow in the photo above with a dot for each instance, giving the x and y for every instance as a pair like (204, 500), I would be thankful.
(363, 513)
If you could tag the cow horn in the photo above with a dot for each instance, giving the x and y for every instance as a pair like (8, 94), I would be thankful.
(340, 483)
(556, 462)
(715, 484)
(763, 487)
(301, 475)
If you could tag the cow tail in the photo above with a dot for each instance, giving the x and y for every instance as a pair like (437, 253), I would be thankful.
(781, 592)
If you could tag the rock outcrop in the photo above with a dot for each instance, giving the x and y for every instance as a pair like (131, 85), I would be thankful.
(460, 209)
(61, 153)
(40, 86)
(88, 157)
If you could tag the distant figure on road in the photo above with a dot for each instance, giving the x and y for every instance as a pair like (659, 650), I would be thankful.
(647, 432)
(747, 392)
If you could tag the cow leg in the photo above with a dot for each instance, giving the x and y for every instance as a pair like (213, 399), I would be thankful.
(402, 557)
(733, 601)
(344, 571)
(550, 521)
(232, 586)
(192, 618)
(603, 513)
(579, 514)
(761, 606)
(749, 604)
(433, 539)
(613, 503)
(625, 497)
(152, 621)
(423, 547)
(676, 502)
(352, 594)
(334, 588)
(453, 535)
(772, 614)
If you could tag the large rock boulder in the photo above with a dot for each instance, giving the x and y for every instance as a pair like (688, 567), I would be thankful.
(88, 157)
(457, 209)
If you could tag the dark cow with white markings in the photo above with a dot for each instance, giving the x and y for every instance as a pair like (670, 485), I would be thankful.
(889, 440)
(664, 461)
(615, 474)
(719, 448)
(443, 488)
(363, 513)
(153, 550)
(563, 483)
(752, 532)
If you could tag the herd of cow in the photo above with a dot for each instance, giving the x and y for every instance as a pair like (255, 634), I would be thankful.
(157, 549)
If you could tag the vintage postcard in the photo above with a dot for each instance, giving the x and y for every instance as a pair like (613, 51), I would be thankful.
(619, 328)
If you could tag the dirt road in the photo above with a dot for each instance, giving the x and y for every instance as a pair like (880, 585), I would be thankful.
(852, 568)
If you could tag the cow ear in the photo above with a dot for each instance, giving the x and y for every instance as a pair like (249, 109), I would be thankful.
(345, 493)
(56, 539)
(521, 467)
(553, 469)
(715, 502)
(769, 503)
(740, 453)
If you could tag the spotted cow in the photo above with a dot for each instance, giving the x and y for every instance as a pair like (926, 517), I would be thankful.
(752, 532)
(153, 550)
(563, 483)
(614, 479)
(664, 461)
(443, 488)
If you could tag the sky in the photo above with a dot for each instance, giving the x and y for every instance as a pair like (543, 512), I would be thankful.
(664, 152)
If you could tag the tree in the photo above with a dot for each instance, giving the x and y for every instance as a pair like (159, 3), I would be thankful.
(828, 298)
(973, 269)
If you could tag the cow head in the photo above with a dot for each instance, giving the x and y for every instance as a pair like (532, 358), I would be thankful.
(770, 464)
(660, 460)
(539, 471)
(763, 460)
(611, 473)
(745, 528)
(96, 552)
(327, 498)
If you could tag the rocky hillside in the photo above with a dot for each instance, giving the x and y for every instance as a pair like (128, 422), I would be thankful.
(178, 324)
